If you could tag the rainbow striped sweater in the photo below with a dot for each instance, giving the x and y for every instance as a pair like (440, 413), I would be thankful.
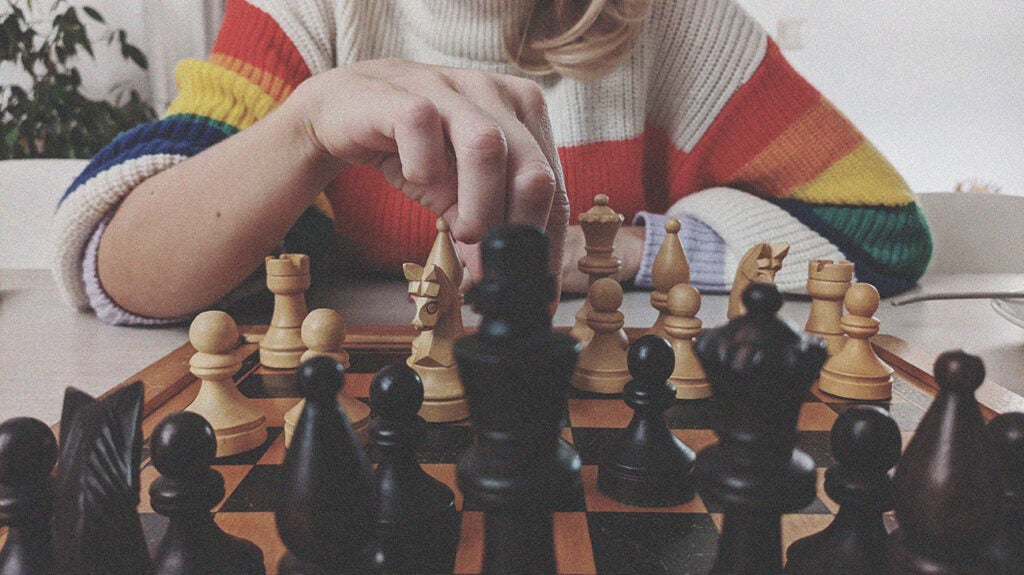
(704, 120)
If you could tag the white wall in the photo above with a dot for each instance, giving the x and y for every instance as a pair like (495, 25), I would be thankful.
(937, 85)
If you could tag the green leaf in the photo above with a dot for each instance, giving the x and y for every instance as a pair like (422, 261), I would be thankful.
(135, 55)
(92, 13)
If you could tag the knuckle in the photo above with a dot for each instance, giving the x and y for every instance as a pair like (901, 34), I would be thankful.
(486, 144)
(419, 113)
(537, 180)
(468, 232)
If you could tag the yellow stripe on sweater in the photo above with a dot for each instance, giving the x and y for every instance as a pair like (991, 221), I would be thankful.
(862, 177)
(273, 85)
(208, 90)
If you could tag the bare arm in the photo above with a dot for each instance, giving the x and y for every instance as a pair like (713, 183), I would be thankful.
(472, 146)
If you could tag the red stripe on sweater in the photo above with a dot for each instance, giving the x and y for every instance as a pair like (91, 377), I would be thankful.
(774, 98)
(275, 53)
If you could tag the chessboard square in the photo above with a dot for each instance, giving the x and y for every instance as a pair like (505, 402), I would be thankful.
(258, 528)
(444, 443)
(613, 413)
(599, 502)
(275, 408)
(799, 525)
(906, 415)
(146, 477)
(469, 559)
(653, 543)
(445, 473)
(590, 442)
(690, 414)
(573, 548)
(233, 476)
(258, 491)
(264, 384)
(358, 384)
(274, 455)
(697, 439)
(815, 507)
(816, 417)
(817, 444)
(252, 456)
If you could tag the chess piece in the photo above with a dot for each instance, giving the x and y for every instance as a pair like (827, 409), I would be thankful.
(434, 288)
(183, 447)
(602, 364)
(418, 524)
(288, 279)
(328, 501)
(670, 269)
(827, 283)
(758, 265)
(760, 369)
(28, 451)
(947, 482)
(1007, 432)
(681, 327)
(516, 371)
(600, 224)
(646, 464)
(866, 443)
(96, 526)
(323, 333)
(856, 372)
(238, 421)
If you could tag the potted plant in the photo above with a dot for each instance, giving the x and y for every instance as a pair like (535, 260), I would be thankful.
(51, 117)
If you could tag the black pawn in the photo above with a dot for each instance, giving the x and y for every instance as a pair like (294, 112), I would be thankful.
(760, 369)
(183, 446)
(948, 493)
(646, 464)
(516, 373)
(28, 452)
(1007, 431)
(418, 525)
(328, 503)
(866, 444)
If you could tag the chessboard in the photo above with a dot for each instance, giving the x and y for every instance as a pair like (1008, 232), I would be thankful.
(593, 534)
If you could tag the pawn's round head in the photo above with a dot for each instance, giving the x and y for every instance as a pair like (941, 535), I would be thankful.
(861, 300)
(323, 329)
(762, 299)
(396, 392)
(683, 300)
(320, 379)
(213, 332)
(959, 372)
(672, 226)
(28, 450)
(183, 445)
(651, 358)
(866, 437)
(605, 295)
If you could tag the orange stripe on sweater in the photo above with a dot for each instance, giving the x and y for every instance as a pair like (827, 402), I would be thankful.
(766, 106)
(809, 147)
(273, 53)
(274, 86)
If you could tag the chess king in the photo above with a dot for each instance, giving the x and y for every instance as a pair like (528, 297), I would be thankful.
(434, 288)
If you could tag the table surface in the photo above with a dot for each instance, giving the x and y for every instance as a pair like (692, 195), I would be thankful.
(46, 346)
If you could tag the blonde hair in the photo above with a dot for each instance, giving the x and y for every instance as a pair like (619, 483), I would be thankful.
(575, 38)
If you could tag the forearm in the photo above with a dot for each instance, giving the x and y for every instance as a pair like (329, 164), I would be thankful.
(186, 236)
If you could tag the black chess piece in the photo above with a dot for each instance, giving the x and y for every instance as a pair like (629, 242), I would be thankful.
(516, 372)
(948, 493)
(418, 525)
(183, 448)
(96, 526)
(1007, 431)
(646, 464)
(328, 506)
(760, 368)
(866, 444)
(28, 452)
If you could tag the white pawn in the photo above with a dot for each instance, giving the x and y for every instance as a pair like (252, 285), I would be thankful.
(288, 278)
(856, 372)
(602, 366)
(681, 327)
(323, 333)
(237, 421)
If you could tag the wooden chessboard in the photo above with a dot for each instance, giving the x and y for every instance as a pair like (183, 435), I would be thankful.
(597, 535)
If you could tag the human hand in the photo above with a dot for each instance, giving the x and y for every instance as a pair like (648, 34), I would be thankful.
(471, 146)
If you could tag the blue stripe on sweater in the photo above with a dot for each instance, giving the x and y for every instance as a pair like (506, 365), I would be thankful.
(867, 269)
(178, 135)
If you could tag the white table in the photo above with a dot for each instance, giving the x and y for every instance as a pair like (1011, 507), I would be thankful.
(45, 346)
